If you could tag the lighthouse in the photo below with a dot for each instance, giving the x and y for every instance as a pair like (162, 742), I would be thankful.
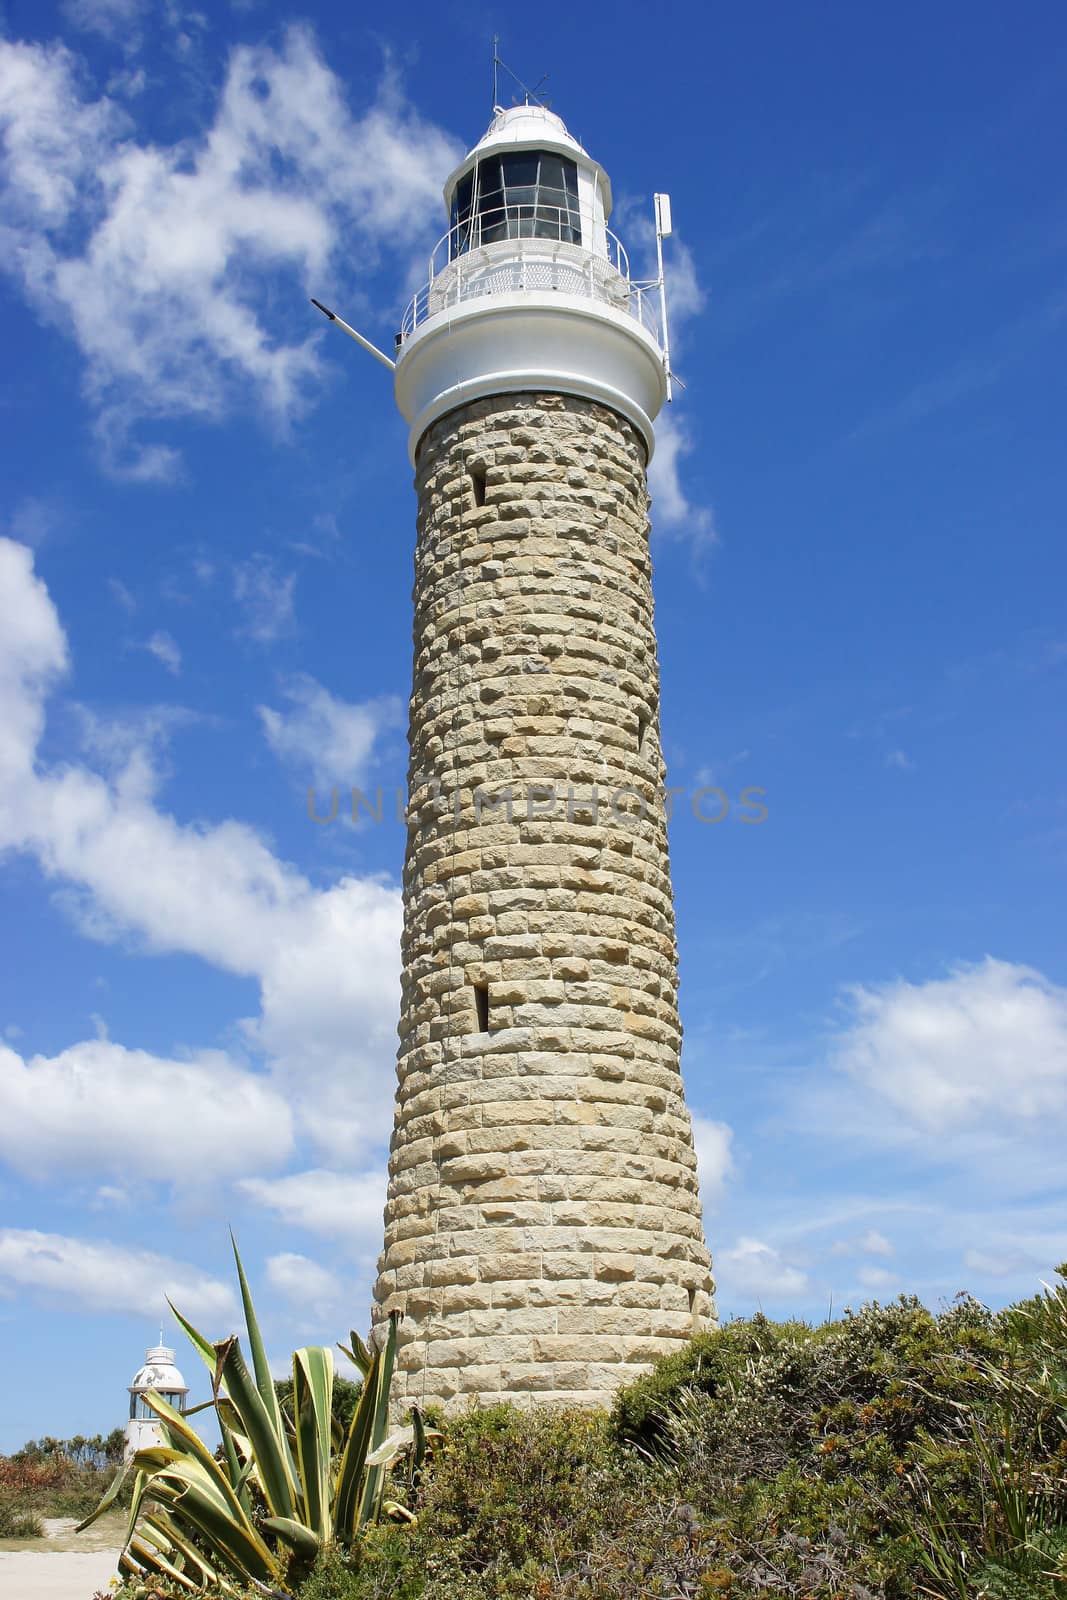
(158, 1374)
(543, 1230)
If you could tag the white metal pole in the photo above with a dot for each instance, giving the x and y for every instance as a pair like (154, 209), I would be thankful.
(371, 349)
(663, 228)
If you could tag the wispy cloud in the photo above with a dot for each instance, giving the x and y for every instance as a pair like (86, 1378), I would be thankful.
(304, 1282)
(129, 870)
(161, 293)
(324, 739)
(165, 650)
(752, 1269)
(33, 520)
(674, 514)
(985, 1047)
(101, 1276)
(98, 1107)
(344, 1205)
(112, 18)
(962, 379)
(265, 599)
(715, 1161)
(122, 595)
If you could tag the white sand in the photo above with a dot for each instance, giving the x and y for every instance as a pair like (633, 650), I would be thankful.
(55, 1574)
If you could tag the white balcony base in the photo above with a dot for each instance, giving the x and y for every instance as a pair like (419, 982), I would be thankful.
(506, 343)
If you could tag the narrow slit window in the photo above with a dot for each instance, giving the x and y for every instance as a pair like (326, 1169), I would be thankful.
(642, 730)
(477, 475)
(481, 1006)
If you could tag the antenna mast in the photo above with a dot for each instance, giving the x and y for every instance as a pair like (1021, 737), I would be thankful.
(530, 94)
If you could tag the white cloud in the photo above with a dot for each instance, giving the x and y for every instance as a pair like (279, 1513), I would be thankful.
(109, 17)
(122, 595)
(871, 1243)
(874, 1243)
(101, 1276)
(304, 1282)
(32, 520)
(986, 1045)
(132, 745)
(323, 739)
(753, 1269)
(33, 653)
(156, 258)
(715, 1162)
(875, 1277)
(97, 1107)
(265, 600)
(673, 513)
(165, 650)
(348, 1206)
(999, 1263)
(899, 760)
(326, 961)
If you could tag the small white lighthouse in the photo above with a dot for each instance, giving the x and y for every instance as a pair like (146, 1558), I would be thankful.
(160, 1374)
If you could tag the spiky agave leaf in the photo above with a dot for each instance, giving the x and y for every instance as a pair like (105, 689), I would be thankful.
(195, 1559)
(198, 1496)
(374, 1484)
(360, 1485)
(347, 1495)
(357, 1353)
(214, 1498)
(271, 1453)
(154, 1553)
(296, 1535)
(111, 1494)
(313, 1410)
(260, 1365)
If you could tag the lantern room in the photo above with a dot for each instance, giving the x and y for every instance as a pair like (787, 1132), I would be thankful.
(527, 179)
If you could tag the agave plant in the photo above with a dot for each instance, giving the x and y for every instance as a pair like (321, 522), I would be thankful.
(285, 1487)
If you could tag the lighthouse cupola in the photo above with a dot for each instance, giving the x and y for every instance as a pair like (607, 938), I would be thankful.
(529, 288)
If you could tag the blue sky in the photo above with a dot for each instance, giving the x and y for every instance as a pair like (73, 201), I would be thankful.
(205, 567)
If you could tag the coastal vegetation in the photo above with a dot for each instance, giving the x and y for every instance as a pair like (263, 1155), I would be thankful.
(54, 1478)
(895, 1452)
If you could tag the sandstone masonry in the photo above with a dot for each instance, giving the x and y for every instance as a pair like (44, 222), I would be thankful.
(543, 1228)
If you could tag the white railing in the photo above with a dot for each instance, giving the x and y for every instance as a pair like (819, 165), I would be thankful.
(526, 220)
(528, 247)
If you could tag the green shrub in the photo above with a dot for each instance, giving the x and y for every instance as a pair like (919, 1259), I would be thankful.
(511, 1489)
(16, 1522)
(765, 1461)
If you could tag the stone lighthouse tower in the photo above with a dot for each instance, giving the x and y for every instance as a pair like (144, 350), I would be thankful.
(543, 1228)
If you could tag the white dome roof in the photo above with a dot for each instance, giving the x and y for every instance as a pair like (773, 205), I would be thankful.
(527, 125)
(159, 1372)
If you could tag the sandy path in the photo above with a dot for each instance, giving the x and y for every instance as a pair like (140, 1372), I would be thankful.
(55, 1574)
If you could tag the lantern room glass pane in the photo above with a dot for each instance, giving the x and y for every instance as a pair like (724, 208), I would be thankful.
(461, 215)
(530, 194)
